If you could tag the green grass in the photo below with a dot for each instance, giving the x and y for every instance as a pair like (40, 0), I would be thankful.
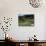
(26, 22)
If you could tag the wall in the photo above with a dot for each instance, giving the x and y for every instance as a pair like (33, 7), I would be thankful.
(11, 8)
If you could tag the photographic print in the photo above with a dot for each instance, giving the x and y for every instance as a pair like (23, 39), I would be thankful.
(26, 20)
